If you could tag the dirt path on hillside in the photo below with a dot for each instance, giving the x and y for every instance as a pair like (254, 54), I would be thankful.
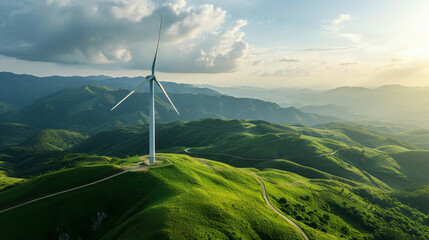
(264, 195)
(138, 168)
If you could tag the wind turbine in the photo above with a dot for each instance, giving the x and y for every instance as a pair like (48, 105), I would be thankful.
(151, 79)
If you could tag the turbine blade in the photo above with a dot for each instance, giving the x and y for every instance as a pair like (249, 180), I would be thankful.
(129, 94)
(156, 52)
(165, 93)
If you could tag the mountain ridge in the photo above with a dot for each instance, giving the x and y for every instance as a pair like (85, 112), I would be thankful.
(87, 109)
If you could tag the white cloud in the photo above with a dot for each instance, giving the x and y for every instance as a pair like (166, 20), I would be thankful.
(122, 33)
(133, 10)
(338, 23)
(195, 21)
(60, 3)
(336, 26)
(355, 38)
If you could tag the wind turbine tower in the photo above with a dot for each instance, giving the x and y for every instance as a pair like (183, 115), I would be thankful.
(152, 80)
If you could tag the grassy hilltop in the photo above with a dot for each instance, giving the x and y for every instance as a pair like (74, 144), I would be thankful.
(190, 199)
(186, 200)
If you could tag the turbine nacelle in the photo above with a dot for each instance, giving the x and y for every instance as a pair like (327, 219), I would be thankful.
(151, 77)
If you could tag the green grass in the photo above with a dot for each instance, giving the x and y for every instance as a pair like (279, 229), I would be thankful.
(332, 209)
(346, 195)
(261, 141)
(415, 196)
(192, 200)
(415, 164)
(22, 162)
(7, 182)
(55, 181)
(186, 200)
(13, 134)
(419, 138)
(378, 164)
(365, 135)
(392, 149)
(53, 140)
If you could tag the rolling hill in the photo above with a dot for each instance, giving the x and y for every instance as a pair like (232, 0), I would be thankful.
(13, 134)
(336, 182)
(186, 199)
(312, 152)
(53, 140)
(201, 199)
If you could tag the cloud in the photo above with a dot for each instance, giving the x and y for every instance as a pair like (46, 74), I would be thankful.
(347, 63)
(338, 23)
(321, 49)
(195, 21)
(288, 60)
(122, 33)
(291, 71)
(355, 38)
(133, 10)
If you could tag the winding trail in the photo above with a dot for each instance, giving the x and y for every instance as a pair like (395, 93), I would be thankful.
(264, 194)
(261, 183)
(138, 168)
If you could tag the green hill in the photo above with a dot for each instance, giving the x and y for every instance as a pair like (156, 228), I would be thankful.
(416, 196)
(392, 149)
(53, 139)
(366, 135)
(7, 108)
(186, 200)
(419, 138)
(201, 199)
(87, 109)
(415, 163)
(259, 144)
(13, 134)
(336, 182)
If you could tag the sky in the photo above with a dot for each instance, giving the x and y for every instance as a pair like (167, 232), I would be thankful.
(272, 43)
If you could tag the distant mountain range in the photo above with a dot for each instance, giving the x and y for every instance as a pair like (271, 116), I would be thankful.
(388, 103)
(24, 89)
(87, 109)
(393, 103)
